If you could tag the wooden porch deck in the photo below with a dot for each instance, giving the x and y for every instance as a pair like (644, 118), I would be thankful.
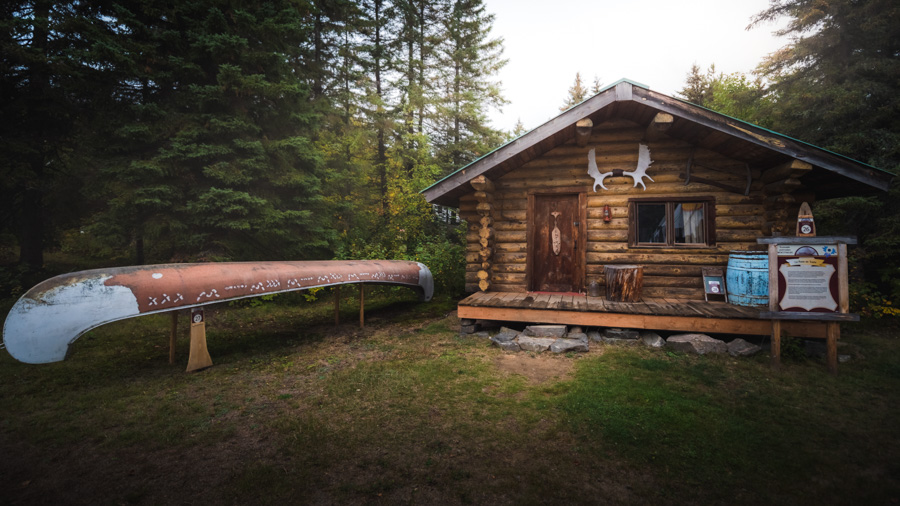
(651, 313)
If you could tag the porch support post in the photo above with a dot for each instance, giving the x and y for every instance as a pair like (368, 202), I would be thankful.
(773, 304)
(337, 305)
(484, 194)
(832, 334)
(362, 306)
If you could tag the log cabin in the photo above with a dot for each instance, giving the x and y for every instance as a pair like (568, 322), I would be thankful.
(632, 177)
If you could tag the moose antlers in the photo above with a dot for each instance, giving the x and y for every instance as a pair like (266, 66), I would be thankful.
(637, 175)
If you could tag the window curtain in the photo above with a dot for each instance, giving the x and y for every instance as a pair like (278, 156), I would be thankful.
(692, 218)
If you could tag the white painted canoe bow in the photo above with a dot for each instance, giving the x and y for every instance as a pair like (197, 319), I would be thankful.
(56, 312)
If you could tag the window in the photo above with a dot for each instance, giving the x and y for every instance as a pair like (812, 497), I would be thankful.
(672, 222)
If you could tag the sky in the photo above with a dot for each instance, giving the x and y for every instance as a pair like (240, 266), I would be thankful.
(652, 42)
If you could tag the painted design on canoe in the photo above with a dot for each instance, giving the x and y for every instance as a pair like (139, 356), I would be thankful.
(56, 312)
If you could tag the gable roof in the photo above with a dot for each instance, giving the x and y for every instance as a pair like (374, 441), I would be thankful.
(833, 175)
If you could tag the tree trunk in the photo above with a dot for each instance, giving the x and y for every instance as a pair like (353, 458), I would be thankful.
(624, 282)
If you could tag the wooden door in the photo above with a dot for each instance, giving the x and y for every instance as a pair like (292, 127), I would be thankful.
(555, 271)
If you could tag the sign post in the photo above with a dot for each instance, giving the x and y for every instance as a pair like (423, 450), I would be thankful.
(808, 281)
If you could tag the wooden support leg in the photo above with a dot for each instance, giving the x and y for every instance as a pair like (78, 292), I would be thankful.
(337, 305)
(172, 334)
(199, 358)
(776, 343)
(362, 306)
(832, 334)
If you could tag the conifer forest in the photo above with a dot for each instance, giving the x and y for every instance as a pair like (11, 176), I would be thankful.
(201, 130)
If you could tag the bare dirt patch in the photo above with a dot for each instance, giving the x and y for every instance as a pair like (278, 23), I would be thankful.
(536, 368)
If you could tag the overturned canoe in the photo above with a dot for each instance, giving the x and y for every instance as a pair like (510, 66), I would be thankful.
(56, 312)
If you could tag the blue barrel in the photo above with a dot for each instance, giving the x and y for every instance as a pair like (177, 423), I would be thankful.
(747, 278)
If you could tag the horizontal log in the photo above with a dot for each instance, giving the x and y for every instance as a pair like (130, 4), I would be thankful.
(737, 235)
(486, 221)
(607, 235)
(484, 285)
(656, 258)
(511, 215)
(654, 270)
(624, 249)
(780, 187)
(510, 267)
(509, 277)
(505, 226)
(614, 223)
(509, 287)
(597, 223)
(791, 169)
(739, 222)
(509, 247)
(510, 236)
(483, 274)
(510, 258)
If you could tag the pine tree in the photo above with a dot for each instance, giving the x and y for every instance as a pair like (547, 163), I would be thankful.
(519, 129)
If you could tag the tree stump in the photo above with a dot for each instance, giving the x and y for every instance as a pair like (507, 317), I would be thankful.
(624, 282)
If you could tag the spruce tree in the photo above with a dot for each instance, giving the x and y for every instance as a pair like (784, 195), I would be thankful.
(221, 160)
(53, 82)
(577, 93)
(470, 59)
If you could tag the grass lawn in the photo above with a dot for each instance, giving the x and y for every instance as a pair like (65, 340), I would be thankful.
(407, 411)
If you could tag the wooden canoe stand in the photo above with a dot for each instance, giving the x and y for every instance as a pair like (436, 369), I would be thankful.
(199, 358)
(832, 319)
(362, 306)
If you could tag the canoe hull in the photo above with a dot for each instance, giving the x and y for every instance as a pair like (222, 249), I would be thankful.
(53, 314)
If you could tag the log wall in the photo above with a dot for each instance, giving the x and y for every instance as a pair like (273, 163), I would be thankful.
(668, 272)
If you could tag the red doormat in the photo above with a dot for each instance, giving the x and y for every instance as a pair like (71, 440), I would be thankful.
(555, 293)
